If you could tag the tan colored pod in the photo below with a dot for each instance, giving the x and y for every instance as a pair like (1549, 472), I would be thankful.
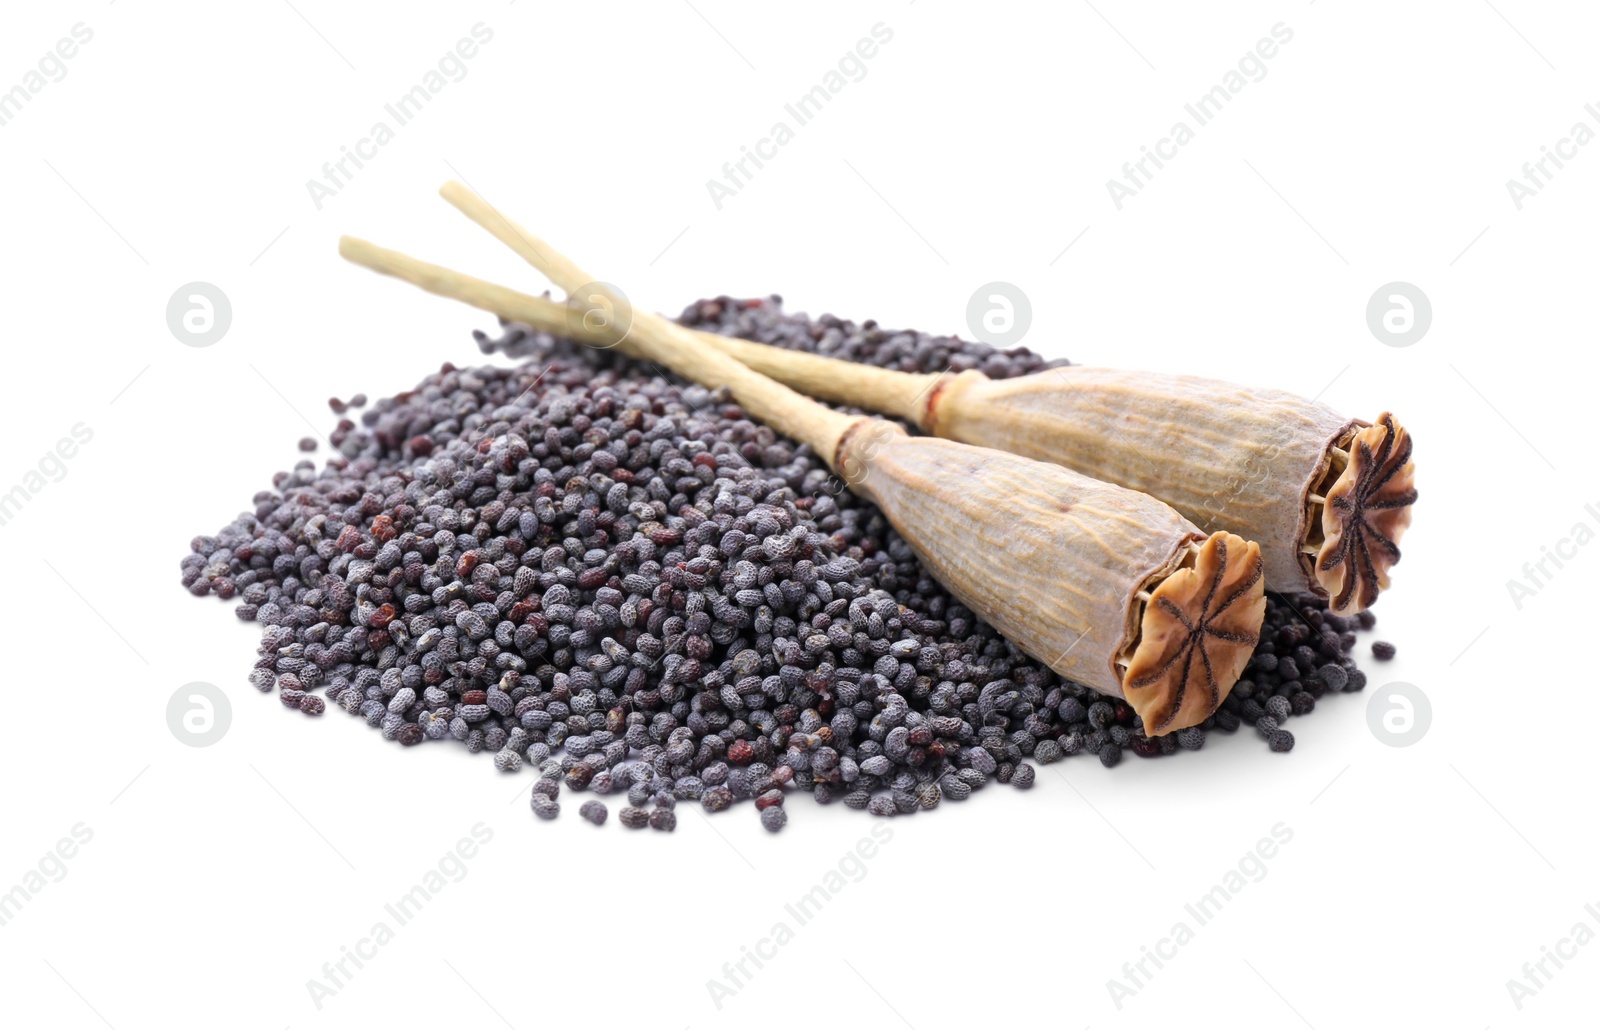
(1257, 462)
(1107, 586)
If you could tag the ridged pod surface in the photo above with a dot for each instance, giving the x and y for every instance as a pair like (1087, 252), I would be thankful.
(1233, 458)
(1057, 562)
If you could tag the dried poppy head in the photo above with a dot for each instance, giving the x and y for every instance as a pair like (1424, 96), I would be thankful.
(1199, 628)
(1364, 513)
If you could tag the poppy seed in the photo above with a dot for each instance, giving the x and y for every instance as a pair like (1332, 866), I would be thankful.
(587, 565)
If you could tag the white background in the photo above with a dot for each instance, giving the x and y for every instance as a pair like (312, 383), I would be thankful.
(218, 881)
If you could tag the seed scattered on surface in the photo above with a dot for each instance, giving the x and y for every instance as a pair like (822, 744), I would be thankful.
(308, 443)
(1382, 650)
(663, 819)
(634, 818)
(1333, 677)
(594, 811)
(774, 818)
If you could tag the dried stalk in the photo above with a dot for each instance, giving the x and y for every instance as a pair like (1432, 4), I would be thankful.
(1105, 585)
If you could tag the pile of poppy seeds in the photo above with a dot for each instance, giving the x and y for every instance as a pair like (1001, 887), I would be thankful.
(585, 565)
